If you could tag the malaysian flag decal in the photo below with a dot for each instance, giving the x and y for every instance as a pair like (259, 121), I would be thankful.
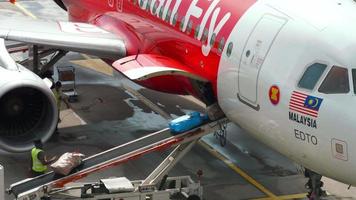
(305, 104)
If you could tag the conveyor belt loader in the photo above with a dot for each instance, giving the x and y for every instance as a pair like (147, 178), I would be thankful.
(50, 185)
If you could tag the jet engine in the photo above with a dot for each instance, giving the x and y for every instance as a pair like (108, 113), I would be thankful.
(28, 108)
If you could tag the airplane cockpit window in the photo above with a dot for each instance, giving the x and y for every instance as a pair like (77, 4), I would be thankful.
(311, 76)
(336, 82)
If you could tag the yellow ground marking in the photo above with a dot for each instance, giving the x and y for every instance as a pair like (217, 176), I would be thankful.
(24, 10)
(95, 64)
(287, 197)
(237, 170)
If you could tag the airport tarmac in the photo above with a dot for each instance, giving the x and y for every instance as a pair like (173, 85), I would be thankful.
(112, 110)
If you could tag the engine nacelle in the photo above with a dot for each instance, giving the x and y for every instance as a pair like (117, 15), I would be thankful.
(28, 109)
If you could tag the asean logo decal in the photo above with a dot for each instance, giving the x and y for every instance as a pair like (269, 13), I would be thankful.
(274, 95)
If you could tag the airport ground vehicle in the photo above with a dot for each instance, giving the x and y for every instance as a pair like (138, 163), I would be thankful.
(157, 185)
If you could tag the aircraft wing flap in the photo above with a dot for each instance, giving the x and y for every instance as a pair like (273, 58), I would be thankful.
(78, 37)
(146, 66)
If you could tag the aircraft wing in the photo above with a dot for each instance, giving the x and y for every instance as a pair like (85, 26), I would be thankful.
(78, 37)
(93, 40)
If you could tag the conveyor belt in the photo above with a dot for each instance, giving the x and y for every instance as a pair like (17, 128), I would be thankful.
(159, 140)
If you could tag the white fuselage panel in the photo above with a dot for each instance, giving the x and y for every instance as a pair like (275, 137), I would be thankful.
(274, 43)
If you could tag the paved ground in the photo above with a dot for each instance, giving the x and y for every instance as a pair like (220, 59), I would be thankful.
(112, 110)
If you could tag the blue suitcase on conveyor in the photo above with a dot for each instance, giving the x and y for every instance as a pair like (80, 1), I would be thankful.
(187, 122)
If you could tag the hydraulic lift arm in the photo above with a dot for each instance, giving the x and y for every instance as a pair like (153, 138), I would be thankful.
(174, 157)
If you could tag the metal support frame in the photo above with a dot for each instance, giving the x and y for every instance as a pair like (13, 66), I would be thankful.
(184, 186)
(41, 54)
(35, 61)
(168, 163)
(221, 134)
(38, 54)
(53, 61)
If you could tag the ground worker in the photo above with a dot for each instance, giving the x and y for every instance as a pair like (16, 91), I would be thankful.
(58, 94)
(39, 159)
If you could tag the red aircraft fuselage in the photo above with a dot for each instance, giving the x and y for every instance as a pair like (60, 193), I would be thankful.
(192, 32)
